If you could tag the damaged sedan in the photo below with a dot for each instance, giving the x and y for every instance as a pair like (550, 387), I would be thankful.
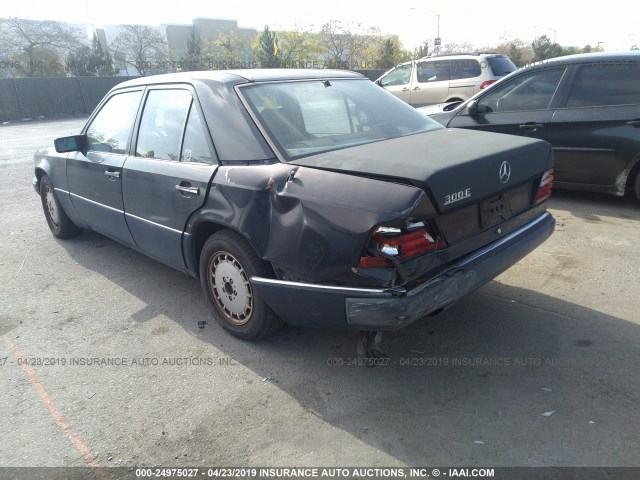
(311, 197)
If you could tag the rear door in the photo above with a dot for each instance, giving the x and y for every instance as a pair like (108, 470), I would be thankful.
(465, 78)
(95, 178)
(596, 133)
(430, 83)
(166, 178)
(521, 106)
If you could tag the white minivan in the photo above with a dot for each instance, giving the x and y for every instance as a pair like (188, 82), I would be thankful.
(447, 78)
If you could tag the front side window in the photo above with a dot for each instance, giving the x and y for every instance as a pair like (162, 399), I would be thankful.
(531, 91)
(110, 129)
(607, 83)
(163, 121)
(399, 76)
(313, 116)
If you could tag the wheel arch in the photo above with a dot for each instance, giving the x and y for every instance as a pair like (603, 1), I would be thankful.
(633, 174)
(200, 232)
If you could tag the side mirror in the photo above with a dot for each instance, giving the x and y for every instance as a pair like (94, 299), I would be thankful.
(472, 107)
(74, 143)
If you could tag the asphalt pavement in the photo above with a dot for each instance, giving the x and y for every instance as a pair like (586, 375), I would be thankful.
(540, 367)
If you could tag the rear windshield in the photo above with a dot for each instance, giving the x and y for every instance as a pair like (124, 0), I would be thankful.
(501, 66)
(313, 116)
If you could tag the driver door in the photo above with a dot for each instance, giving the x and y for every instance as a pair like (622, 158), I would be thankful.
(397, 82)
(95, 177)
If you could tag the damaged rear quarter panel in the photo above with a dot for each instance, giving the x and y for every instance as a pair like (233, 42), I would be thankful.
(311, 224)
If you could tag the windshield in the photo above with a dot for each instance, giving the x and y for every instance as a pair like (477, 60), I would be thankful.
(313, 116)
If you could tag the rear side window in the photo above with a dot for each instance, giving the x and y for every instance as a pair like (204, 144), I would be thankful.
(195, 147)
(610, 83)
(109, 130)
(464, 69)
(163, 121)
(434, 71)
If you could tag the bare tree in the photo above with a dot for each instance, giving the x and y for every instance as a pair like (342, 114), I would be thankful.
(33, 42)
(140, 47)
(346, 44)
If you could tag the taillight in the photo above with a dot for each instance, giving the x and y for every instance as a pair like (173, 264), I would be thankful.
(544, 190)
(486, 83)
(393, 242)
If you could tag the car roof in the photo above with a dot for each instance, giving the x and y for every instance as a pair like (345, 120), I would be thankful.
(592, 57)
(241, 76)
(458, 55)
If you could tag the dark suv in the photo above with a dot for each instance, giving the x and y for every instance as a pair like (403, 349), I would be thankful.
(587, 106)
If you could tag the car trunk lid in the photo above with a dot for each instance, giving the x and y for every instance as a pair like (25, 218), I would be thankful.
(455, 167)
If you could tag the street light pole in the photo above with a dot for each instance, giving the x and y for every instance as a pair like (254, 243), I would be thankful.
(437, 15)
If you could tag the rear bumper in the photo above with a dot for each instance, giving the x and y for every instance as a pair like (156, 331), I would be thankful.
(323, 306)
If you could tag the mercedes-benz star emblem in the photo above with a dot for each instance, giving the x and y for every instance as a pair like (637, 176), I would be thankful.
(505, 172)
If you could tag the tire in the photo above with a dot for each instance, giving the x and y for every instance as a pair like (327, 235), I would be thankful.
(227, 262)
(637, 185)
(59, 223)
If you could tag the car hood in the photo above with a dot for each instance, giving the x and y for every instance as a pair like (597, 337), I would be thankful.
(444, 162)
(438, 108)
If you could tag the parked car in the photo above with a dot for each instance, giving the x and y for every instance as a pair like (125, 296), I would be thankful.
(587, 106)
(448, 78)
(311, 197)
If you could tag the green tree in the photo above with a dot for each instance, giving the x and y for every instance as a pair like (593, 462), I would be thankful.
(40, 62)
(387, 53)
(90, 61)
(423, 50)
(298, 48)
(543, 48)
(265, 49)
(193, 59)
(517, 50)
(228, 50)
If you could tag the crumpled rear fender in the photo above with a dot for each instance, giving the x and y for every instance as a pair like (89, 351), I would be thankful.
(312, 225)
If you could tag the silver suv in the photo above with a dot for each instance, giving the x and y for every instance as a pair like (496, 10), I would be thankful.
(446, 78)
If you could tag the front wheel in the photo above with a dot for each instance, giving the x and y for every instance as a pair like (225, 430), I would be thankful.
(59, 223)
(227, 263)
(637, 185)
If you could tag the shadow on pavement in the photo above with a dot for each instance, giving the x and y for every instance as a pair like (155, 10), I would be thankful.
(470, 385)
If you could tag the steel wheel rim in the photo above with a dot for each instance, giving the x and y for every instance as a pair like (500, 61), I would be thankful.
(51, 206)
(230, 288)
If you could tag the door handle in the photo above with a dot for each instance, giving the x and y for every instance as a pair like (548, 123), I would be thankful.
(634, 123)
(112, 175)
(415, 89)
(190, 190)
(405, 89)
(531, 126)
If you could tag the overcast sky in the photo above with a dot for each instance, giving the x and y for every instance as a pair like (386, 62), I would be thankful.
(615, 23)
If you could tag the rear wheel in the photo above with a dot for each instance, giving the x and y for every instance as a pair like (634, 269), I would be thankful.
(227, 263)
(59, 223)
(637, 184)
